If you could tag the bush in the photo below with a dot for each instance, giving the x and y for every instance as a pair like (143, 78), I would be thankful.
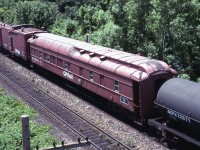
(10, 125)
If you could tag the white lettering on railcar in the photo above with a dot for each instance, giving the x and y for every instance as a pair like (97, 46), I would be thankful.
(178, 115)
(68, 74)
(124, 100)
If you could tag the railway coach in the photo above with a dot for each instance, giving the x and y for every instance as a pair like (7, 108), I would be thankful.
(128, 80)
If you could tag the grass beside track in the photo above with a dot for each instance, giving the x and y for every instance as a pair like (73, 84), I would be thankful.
(11, 110)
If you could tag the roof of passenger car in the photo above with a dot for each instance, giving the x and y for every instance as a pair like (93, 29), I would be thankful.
(123, 63)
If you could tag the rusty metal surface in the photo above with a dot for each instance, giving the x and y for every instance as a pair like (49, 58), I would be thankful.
(24, 30)
(5, 35)
(19, 40)
(14, 38)
(136, 67)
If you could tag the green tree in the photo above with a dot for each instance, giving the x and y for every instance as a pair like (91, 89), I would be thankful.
(186, 33)
(107, 35)
(3, 12)
(7, 3)
(35, 12)
(65, 27)
(90, 18)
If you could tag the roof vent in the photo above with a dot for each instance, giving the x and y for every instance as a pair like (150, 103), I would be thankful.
(34, 36)
(92, 54)
(22, 29)
(82, 51)
(102, 58)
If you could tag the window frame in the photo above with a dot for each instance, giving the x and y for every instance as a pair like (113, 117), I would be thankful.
(40, 54)
(116, 86)
(81, 71)
(66, 65)
(47, 57)
(102, 80)
(91, 76)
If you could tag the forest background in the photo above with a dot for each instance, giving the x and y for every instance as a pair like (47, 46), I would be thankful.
(164, 30)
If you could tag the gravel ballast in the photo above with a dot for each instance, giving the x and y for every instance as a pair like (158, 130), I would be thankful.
(118, 129)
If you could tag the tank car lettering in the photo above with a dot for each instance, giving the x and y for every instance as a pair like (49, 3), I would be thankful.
(68, 74)
(178, 115)
(124, 100)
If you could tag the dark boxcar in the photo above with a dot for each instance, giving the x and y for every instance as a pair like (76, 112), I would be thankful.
(128, 80)
(18, 37)
(6, 41)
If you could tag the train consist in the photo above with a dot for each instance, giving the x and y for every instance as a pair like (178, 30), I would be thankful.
(143, 86)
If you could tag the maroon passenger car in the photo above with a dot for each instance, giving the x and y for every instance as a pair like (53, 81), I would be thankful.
(129, 80)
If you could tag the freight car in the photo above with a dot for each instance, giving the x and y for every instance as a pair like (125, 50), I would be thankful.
(14, 39)
(128, 80)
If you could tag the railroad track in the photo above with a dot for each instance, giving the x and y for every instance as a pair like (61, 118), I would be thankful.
(85, 129)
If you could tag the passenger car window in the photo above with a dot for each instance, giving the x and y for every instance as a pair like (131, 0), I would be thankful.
(40, 54)
(59, 62)
(47, 57)
(102, 80)
(52, 59)
(66, 65)
(81, 71)
(91, 76)
(116, 84)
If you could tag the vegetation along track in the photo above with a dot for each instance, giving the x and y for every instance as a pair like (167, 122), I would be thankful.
(97, 137)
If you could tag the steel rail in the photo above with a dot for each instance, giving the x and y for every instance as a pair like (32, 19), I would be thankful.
(83, 136)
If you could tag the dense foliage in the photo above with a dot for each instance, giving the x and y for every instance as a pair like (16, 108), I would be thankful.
(10, 125)
(165, 30)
